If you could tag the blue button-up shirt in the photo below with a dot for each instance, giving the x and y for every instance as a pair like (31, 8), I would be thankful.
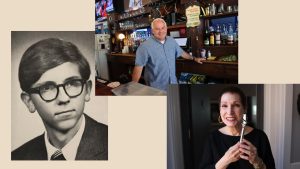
(159, 61)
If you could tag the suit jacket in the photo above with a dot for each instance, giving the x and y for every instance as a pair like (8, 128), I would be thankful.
(93, 144)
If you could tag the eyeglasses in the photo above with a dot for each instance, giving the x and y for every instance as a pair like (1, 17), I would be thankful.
(49, 91)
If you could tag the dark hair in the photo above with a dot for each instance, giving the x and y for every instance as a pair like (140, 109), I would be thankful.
(47, 54)
(235, 90)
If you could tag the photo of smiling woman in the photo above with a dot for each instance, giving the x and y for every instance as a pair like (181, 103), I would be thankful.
(225, 148)
(54, 76)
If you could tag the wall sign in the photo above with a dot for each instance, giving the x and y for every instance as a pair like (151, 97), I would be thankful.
(192, 14)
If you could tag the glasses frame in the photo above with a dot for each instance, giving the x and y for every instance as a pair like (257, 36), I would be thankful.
(37, 90)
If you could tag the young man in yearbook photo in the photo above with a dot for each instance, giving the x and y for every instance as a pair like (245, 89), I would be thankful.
(55, 80)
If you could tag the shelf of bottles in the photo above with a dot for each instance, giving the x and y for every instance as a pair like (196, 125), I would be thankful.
(134, 39)
(134, 19)
(220, 36)
(225, 35)
(133, 14)
(130, 25)
(220, 15)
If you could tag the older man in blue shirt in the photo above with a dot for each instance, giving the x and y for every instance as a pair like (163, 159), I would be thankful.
(158, 55)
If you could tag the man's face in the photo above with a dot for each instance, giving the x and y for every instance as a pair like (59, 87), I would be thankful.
(64, 112)
(159, 30)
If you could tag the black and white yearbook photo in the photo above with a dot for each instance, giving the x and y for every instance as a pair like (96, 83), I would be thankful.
(55, 114)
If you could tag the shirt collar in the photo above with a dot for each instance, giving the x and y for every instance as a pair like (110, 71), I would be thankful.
(70, 149)
(160, 42)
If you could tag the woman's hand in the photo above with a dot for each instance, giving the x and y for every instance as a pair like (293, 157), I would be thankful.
(249, 152)
(232, 155)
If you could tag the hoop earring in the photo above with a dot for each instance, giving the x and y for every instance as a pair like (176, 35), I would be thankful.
(220, 119)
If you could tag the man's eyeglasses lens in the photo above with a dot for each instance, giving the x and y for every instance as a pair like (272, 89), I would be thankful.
(49, 92)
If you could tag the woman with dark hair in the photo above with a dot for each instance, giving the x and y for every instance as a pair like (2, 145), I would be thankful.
(224, 148)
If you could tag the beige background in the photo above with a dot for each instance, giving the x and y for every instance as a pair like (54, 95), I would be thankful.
(269, 41)
(269, 53)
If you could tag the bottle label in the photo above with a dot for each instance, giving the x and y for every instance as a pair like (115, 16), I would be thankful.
(212, 40)
(218, 37)
(206, 42)
(230, 39)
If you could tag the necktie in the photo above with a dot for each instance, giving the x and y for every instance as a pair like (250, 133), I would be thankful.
(58, 156)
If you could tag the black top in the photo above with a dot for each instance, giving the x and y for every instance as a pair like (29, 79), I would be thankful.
(218, 143)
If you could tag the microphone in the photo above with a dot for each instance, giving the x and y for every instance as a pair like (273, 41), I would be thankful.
(244, 122)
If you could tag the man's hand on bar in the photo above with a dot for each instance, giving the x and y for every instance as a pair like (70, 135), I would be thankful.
(185, 55)
(199, 59)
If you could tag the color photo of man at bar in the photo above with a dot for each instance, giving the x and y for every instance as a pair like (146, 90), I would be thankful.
(159, 44)
(158, 55)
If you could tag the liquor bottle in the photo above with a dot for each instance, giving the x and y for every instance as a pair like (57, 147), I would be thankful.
(230, 35)
(235, 35)
(212, 9)
(207, 10)
(224, 34)
(218, 36)
(206, 37)
(126, 39)
(208, 53)
(211, 36)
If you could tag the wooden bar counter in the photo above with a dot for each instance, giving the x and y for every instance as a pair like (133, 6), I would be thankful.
(123, 64)
(216, 69)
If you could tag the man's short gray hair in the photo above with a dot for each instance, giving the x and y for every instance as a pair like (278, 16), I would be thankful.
(156, 20)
